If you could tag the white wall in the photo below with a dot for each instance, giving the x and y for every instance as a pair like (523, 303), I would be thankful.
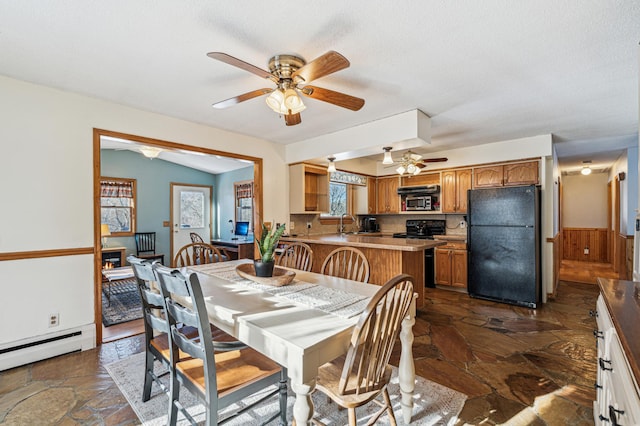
(584, 203)
(46, 178)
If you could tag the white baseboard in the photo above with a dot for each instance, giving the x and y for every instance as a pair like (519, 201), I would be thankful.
(34, 349)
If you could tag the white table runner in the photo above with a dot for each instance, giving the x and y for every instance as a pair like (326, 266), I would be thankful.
(326, 299)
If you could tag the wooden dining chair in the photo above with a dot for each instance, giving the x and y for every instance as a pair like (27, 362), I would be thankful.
(156, 326)
(297, 256)
(364, 373)
(197, 254)
(146, 246)
(346, 262)
(217, 373)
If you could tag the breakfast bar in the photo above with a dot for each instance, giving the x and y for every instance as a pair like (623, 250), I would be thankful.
(387, 256)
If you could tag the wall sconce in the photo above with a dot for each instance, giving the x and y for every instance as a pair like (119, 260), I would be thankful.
(332, 165)
(150, 151)
(104, 233)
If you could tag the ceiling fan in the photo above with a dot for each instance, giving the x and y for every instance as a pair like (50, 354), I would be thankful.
(291, 74)
(410, 162)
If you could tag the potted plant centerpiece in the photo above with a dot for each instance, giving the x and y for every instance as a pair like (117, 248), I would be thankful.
(267, 245)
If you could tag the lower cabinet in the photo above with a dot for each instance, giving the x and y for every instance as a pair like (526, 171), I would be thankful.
(451, 264)
(617, 397)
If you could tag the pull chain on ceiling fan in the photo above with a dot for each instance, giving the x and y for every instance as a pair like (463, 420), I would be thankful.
(289, 73)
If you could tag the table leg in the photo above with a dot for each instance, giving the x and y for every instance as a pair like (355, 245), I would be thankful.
(406, 368)
(303, 407)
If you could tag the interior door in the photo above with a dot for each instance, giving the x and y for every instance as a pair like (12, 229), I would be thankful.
(190, 212)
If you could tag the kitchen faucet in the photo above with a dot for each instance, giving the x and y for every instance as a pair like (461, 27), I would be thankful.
(341, 228)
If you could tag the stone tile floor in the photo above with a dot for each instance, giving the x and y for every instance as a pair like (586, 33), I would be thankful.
(518, 366)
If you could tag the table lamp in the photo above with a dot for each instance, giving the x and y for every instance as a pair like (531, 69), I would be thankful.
(104, 233)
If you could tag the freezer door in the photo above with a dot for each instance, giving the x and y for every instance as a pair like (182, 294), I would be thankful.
(504, 264)
(516, 206)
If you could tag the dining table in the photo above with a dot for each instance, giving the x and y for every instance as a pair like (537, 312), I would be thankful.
(301, 325)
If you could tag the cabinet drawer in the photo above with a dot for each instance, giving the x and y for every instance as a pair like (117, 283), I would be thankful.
(453, 245)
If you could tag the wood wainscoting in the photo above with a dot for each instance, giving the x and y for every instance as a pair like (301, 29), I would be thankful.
(624, 261)
(575, 241)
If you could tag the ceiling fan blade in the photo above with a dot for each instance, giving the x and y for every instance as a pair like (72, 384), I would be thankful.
(241, 98)
(228, 59)
(326, 64)
(336, 98)
(292, 119)
(434, 160)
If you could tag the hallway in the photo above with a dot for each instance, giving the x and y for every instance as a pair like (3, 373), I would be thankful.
(585, 272)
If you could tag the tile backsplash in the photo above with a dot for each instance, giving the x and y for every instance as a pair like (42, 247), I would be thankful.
(388, 223)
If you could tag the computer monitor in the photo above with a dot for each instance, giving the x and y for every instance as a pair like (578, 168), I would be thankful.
(242, 229)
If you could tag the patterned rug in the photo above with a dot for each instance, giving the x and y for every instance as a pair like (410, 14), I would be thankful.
(125, 303)
(434, 404)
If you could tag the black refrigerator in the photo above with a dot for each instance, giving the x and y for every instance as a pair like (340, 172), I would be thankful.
(504, 244)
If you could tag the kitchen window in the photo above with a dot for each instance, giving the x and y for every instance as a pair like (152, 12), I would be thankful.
(341, 201)
(118, 205)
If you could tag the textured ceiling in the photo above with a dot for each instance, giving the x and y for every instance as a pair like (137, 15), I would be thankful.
(485, 71)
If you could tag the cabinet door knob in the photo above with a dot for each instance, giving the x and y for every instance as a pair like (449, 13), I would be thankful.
(598, 334)
(597, 386)
(593, 313)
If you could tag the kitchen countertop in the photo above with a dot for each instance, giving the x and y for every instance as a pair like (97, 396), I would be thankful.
(364, 240)
(451, 237)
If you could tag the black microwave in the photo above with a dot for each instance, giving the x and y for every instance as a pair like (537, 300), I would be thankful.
(418, 202)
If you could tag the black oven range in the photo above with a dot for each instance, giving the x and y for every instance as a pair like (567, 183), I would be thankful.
(425, 229)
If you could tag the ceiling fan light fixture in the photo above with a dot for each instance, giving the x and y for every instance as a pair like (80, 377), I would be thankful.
(275, 101)
(417, 171)
(411, 168)
(401, 170)
(150, 151)
(332, 165)
(292, 101)
(387, 155)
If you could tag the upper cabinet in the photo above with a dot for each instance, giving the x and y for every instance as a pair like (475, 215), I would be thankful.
(455, 184)
(308, 189)
(523, 173)
(388, 200)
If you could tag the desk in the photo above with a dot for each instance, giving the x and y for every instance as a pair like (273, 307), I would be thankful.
(238, 249)
(296, 336)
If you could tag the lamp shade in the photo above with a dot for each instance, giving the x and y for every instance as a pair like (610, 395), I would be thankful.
(332, 165)
(104, 230)
(387, 156)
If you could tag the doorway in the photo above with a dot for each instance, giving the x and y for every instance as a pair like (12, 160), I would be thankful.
(166, 145)
(190, 212)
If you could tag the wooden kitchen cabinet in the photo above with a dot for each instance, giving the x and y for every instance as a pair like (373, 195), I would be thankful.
(308, 189)
(451, 264)
(513, 174)
(372, 199)
(455, 184)
(388, 200)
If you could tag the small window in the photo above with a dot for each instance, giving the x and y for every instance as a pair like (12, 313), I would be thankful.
(117, 205)
(192, 209)
(338, 199)
(244, 202)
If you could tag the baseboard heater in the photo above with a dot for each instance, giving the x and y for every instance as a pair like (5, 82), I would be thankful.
(46, 346)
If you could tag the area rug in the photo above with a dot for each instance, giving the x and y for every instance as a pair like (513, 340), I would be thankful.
(434, 404)
(125, 303)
